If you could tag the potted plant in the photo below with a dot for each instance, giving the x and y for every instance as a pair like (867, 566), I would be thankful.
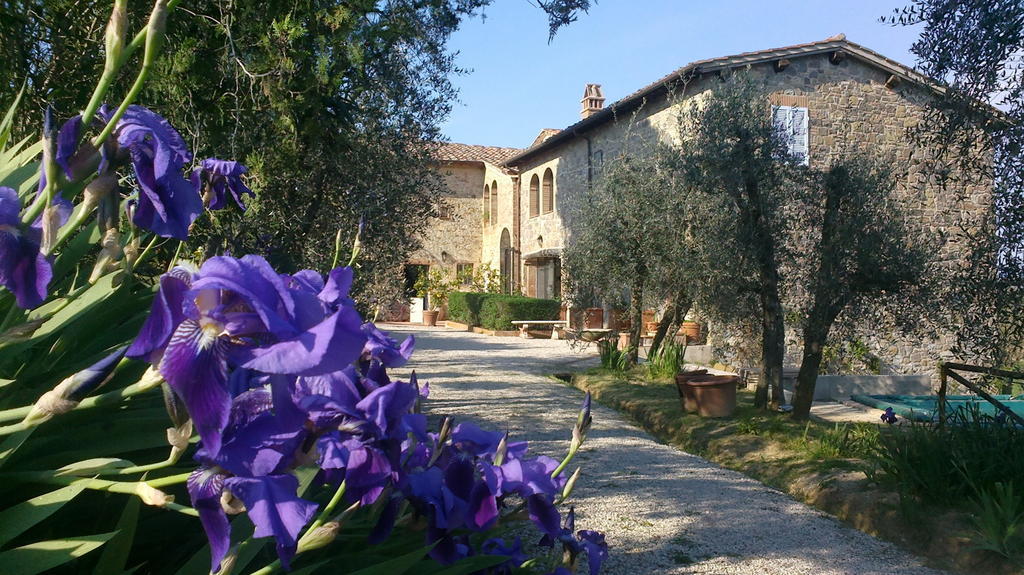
(691, 331)
(435, 287)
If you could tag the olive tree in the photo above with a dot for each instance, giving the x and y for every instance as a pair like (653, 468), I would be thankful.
(626, 238)
(852, 247)
(739, 176)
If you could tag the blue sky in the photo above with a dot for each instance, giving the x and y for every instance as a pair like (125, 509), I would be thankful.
(519, 84)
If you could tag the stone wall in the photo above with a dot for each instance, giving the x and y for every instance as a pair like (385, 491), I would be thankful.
(498, 179)
(458, 238)
(850, 110)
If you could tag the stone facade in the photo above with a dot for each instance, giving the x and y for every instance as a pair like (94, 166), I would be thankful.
(857, 101)
(456, 236)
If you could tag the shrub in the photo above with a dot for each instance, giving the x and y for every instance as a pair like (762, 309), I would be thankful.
(999, 522)
(498, 311)
(464, 307)
(612, 358)
(667, 360)
(949, 464)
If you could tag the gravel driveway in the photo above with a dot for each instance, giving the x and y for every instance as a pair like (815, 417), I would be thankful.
(662, 510)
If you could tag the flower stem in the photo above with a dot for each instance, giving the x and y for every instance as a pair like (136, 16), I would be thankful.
(35, 209)
(152, 37)
(171, 460)
(20, 426)
(132, 94)
(81, 215)
(338, 494)
(110, 72)
(147, 251)
(565, 462)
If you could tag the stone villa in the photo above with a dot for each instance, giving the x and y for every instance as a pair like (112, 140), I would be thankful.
(508, 205)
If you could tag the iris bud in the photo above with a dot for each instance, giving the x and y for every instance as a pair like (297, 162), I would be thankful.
(151, 495)
(227, 564)
(319, 537)
(50, 167)
(51, 225)
(569, 485)
(69, 392)
(156, 30)
(175, 408)
(501, 450)
(115, 34)
(98, 189)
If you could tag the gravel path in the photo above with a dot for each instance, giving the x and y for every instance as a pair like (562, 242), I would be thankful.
(662, 510)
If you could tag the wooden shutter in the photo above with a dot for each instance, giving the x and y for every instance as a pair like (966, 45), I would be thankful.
(799, 140)
(534, 196)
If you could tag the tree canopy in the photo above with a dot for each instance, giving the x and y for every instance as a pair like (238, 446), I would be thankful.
(334, 106)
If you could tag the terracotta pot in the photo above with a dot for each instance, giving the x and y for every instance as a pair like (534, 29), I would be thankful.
(442, 314)
(593, 318)
(430, 317)
(691, 331)
(623, 340)
(686, 396)
(620, 320)
(650, 326)
(648, 316)
(715, 394)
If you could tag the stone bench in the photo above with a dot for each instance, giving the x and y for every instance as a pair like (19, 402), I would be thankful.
(524, 326)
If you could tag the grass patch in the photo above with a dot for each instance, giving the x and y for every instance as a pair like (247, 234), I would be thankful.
(826, 465)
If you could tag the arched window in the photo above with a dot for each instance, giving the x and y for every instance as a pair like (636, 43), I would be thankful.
(534, 196)
(549, 191)
(487, 204)
(494, 202)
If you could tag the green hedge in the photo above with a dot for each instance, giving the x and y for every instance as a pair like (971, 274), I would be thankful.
(498, 311)
(464, 307)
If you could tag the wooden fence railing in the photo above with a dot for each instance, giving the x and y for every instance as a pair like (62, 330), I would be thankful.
(950, 369)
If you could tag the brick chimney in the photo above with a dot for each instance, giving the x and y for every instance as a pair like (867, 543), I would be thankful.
(593, 100)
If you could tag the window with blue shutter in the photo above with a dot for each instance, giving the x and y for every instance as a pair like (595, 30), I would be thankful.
(791, 123)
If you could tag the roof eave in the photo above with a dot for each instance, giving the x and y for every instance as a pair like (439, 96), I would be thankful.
(713, 65)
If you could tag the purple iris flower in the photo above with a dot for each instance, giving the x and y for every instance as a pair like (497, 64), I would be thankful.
(591, 543)
(275, 509)
(67, 143)
(385, 349)
(260, 444)
(221, 177)
(239, 313)
(24, 270)
(889, 416)
(514, 552)
(469, 438)
(168, 202)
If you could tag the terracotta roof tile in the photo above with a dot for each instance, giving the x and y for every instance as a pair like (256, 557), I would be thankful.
(544, 135)
(455, 152)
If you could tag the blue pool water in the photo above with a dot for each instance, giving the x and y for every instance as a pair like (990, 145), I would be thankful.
(925, 407)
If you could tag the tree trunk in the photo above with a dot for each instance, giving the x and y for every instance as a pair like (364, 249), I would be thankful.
(676, 309)
(773, 347)
(773, 335)
(815, 337)
(636, 299)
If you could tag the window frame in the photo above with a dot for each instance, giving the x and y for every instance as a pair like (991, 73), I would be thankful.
(790, 132)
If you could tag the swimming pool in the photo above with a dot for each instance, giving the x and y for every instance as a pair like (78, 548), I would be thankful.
(925, 407)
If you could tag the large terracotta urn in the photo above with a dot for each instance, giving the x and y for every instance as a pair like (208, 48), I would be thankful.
(593, 318)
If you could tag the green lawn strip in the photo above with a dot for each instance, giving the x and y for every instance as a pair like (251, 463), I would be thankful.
(816, 463)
